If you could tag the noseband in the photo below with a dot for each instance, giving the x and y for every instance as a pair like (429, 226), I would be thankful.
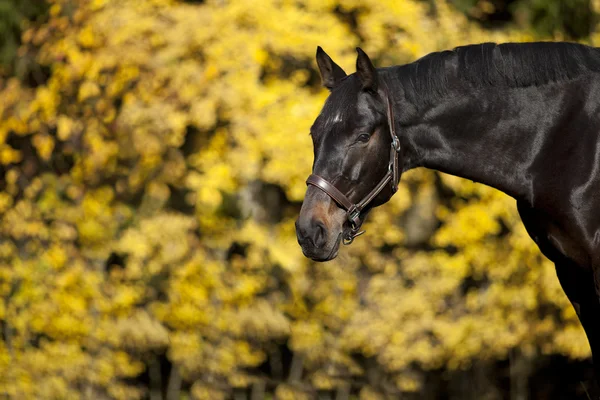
(353, 210)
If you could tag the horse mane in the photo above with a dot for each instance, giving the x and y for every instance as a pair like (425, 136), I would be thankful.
(499, 65)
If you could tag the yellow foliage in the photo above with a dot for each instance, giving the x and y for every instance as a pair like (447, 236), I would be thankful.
(150, 239)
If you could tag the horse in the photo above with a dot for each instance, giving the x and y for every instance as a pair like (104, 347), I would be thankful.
(523, 118)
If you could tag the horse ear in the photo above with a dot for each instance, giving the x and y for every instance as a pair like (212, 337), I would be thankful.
(367, 74)
(331, 73)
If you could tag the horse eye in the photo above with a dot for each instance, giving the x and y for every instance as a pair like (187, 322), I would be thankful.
(364, 138)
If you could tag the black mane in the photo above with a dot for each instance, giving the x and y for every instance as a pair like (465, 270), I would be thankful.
(500, 65)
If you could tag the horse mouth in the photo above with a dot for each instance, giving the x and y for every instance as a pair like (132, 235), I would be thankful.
(332, 254)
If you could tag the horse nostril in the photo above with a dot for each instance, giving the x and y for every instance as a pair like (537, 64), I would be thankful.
(301, 233)
(311, 232)
(320, 235)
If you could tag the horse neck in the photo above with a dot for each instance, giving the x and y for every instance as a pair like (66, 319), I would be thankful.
(490, 135)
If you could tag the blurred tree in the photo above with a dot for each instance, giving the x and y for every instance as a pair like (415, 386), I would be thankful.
(150, 187)
(569, 19)
(15, 16)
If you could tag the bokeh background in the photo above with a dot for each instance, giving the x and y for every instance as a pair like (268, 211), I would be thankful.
(153, 155)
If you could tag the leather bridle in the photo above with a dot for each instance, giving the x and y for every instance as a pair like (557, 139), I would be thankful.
(353, 210)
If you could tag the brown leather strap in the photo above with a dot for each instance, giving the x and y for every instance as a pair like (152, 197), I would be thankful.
(395, 142)
(373, 193)
(331, 190)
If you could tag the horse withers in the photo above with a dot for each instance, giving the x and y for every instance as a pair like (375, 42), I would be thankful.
(522, 118)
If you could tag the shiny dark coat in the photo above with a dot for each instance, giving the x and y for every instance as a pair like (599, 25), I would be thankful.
(523, 118)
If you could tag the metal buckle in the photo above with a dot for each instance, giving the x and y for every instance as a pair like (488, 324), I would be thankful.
(395, 143)
(353, 216)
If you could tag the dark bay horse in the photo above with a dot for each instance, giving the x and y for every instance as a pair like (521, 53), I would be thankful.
(522, 118)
